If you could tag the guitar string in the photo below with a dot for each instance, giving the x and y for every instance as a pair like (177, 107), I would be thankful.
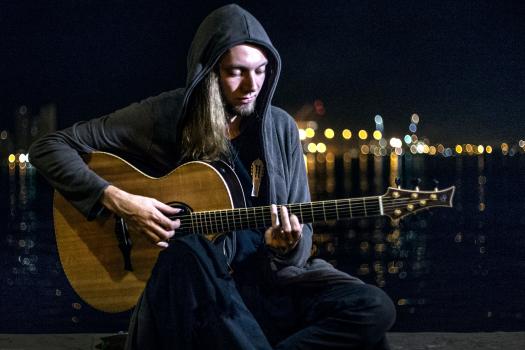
(296, 206)
(238, 213)
(207, 220)
(331, 208)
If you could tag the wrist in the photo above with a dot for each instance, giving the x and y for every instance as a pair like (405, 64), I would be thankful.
(110, 198)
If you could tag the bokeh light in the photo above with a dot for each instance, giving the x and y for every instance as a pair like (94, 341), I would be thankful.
(302, 134)
(310, 132)
(329, 133)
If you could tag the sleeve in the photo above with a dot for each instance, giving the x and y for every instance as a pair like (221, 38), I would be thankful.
(58, 156)
(298, 192)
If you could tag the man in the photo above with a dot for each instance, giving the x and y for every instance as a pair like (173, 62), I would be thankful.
(252, 289)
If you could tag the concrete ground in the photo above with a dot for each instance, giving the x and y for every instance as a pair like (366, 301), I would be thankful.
(398, 341)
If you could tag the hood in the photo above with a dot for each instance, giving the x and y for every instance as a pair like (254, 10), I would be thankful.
(222, 29)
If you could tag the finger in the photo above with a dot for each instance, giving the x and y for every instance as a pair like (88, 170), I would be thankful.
(285, 221)
(166, 209)
(165, 222)
(275, 216)
(162, 244)
(297, 228)
(160, 233)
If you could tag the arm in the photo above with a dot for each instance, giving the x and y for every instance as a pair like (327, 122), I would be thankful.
(291, 241)
(58, 156)
(126, 132)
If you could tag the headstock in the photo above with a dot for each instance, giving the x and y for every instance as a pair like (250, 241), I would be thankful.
(398, 202)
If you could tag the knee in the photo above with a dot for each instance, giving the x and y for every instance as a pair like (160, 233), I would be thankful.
(370, 313)
(382, 309)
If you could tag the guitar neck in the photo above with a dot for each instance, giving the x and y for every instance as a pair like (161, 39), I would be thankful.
(221, 221)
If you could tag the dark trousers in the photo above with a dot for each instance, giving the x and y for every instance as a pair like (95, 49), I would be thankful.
(192, 302)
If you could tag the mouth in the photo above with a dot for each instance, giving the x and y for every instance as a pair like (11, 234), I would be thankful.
(246, 100)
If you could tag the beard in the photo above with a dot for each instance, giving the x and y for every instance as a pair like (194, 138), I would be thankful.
(241, 111)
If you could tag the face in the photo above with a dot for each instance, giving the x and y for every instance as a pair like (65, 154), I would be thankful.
(242, 72)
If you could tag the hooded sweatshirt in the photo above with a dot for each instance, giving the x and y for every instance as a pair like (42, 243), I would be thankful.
(148, 133)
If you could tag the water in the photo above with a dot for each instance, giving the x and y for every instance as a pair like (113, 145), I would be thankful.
(457, 269)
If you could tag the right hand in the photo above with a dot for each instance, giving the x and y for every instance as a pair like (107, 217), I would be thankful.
(144, 215)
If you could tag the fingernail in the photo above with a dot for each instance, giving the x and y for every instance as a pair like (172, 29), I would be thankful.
(162, 244)
(176, 223)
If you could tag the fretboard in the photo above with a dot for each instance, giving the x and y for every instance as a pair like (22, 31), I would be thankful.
(221, 221)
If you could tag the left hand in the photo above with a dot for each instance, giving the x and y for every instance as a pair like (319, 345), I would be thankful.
(285, 233)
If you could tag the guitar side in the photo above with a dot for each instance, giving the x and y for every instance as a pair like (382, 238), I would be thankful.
(89, 250)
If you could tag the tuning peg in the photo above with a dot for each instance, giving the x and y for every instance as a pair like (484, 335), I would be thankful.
(416, 183)
(436, 185)
(398, 182)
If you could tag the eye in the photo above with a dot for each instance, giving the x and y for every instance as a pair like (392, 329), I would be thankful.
(261, 70)
(235, 72)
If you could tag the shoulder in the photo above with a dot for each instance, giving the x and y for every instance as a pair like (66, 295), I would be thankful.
(282, 120)
(166, 101)
(279, 113)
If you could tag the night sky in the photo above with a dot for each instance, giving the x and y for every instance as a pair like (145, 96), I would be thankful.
(458, 64)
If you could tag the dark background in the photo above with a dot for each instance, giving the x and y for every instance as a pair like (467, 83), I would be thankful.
(458, 64)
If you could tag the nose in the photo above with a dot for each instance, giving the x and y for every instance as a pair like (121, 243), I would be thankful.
(249, 82)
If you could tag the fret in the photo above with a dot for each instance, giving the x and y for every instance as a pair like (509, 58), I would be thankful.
(324, 211)
(336, 210)
(192, 222)
(206, 218)
(350, 207)
(301, 212)
(320, 216)
(371, 207)
(312, 210)
(196, 226)
(228, 214)
(199, 223)
(260, 220)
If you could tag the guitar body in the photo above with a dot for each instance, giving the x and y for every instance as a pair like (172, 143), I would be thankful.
(111, 280)
(89, 250)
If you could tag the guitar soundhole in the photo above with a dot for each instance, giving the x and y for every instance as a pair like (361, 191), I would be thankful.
(185, 210)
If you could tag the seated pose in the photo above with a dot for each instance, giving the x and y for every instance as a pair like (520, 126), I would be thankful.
(250, 289)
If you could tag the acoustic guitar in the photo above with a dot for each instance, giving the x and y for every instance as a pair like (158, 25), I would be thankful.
(108, 267)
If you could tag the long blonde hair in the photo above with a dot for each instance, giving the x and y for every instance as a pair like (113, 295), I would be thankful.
(205, 134)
